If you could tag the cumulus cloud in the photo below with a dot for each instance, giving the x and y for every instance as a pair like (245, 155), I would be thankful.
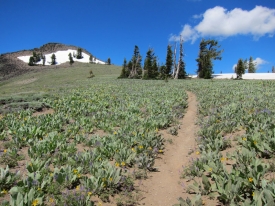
(219, 22)
(258, 61)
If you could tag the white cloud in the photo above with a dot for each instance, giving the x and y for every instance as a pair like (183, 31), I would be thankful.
(219, 22)
(187, 33)
(258, 61)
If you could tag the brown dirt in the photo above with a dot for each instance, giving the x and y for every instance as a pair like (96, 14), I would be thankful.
(44, 111)
(164, 187)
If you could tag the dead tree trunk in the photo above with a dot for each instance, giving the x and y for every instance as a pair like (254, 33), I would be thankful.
(180, 59)
(175, 59)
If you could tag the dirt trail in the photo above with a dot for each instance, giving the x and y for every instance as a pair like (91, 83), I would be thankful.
(164, 187)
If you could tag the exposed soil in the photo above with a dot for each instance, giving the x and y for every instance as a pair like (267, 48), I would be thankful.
(165, 187)
(43, 112)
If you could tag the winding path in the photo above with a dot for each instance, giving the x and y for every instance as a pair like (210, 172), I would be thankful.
(163, 188)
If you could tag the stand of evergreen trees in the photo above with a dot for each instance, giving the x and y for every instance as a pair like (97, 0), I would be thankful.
(151, 68)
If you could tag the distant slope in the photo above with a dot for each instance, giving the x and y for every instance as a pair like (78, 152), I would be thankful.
(11, 65)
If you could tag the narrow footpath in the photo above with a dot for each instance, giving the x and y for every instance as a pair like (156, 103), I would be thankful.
(164, 187)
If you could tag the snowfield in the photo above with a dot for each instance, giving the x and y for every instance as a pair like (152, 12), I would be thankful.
(62, 57)
(245, 76)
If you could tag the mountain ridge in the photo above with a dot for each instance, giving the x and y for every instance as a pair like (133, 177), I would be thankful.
(11, 66)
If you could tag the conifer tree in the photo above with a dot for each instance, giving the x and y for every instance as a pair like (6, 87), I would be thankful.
(109, 61)
(79, 53)
(148, 65)
(44, 60)
(251, 66)
(91, 59)
(240, 69)
(136, 70)
(71, 59)
(31, 61)
(208, 52)
(155, 68)
(180, 73)
(53, 59)
(169, 61)
(125, 71)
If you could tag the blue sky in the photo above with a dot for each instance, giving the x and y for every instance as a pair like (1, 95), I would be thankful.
(111, 28)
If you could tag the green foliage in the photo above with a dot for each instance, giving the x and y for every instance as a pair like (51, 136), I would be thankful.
(109, 61)
(169, 62)
(208, 52)
(79, 53)
(71, 58)
(135, 66)
(240, 69)
(31, 61)
(150, 65)
(53, 59)
(251, 66)
(125, 72)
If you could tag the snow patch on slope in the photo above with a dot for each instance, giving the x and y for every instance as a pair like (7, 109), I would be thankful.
(62, 57)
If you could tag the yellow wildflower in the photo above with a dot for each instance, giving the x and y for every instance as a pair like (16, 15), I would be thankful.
(39, 189)
(210, 169)
(244, 139)
(111, 179)
(5, 150)
(35, 202)
(252, 194)
(90, 193)
(75, 171)
(160, 151)
(115, 132)
(117, 164)
(79, 175)
(77, 187)
(157, 130)
(150, 148)
(254, 142)
(4, 191)
(250, 179)
(123, 164)
(51, 200)
(223, 159)
(197, 152)
(133, 149)
(140, 147)
(24, 139)
(103, 179)
(51, 174)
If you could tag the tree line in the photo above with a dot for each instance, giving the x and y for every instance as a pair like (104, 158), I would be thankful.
(209, 50)
(151, 68)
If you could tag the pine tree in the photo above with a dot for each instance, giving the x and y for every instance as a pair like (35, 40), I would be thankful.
(180, 73)
(155, 68)
(136, 70)
(109, 61)
(44, 60)
(162, 70)
(148, 65)
(71, 59)
(79, 53)
(251, 66)
(169, 61)
(125, 71)
(91, 59)
(53, 59)
(208, 52)
(31, 61)
(240, 69)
